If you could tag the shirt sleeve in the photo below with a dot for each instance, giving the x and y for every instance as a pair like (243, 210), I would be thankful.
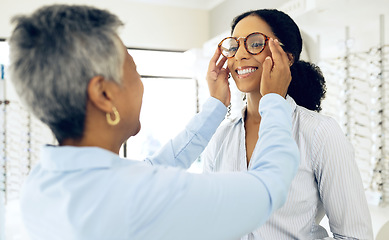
(340, 184)
(276, 154)
(227, 205)
(185, 148)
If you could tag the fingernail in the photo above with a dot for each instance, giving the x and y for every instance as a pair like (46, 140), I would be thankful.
(268, 58)
(276, 41)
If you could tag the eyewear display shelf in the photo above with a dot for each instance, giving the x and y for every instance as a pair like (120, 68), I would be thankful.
(21, 138)
(357, 97)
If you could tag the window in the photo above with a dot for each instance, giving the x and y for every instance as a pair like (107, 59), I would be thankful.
(169, 101)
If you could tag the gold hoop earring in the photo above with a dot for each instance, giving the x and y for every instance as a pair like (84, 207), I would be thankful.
(117, 117)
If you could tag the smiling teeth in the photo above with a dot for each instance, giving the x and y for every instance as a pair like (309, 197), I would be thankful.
(246, 70)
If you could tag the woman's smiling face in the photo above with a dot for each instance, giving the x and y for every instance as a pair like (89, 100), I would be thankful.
(245, 68)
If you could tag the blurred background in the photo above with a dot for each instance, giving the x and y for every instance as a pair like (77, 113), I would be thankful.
(172, 41)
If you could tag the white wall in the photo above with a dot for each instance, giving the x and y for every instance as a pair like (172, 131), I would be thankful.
(329, 18)
(147, 26)
(324, 19)
(222, 15)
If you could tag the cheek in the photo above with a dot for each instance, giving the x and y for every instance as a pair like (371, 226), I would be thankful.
(141, 91)
(142, 87)
(266, 53)
(230, 64)
(260, 58)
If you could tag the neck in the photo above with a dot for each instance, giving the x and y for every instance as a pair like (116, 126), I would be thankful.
(252, 113)
(88, 140)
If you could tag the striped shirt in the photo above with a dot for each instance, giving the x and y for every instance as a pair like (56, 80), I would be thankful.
(328, 180)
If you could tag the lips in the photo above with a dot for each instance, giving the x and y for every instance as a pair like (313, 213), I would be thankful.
(245, 71)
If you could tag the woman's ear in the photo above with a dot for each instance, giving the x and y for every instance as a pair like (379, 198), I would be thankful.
(100, 94)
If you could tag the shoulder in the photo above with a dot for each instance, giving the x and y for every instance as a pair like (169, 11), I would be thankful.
(319, 133)
(317, 125)
(322, 134)
(143, 178)
(310, 123)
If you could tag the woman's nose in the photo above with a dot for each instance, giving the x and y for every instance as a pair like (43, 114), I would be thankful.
(242, 51)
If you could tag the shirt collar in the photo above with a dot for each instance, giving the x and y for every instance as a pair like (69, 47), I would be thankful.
(288, 99)
(291, 102)
(68, 158)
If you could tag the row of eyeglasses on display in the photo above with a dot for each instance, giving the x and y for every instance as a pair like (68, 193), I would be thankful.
(21, 138)
(358, 98)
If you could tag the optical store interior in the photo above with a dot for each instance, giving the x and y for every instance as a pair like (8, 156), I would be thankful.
(172, 42)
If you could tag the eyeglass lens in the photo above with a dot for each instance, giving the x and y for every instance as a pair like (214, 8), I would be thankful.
(255, 44)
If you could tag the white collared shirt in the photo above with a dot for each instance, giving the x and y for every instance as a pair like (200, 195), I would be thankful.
(328, 180)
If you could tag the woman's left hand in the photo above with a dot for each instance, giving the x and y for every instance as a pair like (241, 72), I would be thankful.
(276, 75)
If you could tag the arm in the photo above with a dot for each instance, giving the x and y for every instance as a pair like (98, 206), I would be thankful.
(340, 185)
(270, 159)
(228, 205)
(187, 145)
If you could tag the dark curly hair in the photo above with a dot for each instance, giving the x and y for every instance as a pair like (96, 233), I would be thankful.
(307, 87)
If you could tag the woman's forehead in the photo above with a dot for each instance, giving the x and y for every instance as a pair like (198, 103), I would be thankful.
(252, 24)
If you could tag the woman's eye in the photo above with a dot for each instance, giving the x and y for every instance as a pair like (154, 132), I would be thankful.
(257, 45)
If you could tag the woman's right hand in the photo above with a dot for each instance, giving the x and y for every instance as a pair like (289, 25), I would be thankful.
(276, 75)
(217, 78)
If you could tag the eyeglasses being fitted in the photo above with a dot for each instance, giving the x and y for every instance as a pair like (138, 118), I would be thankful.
(254, 43)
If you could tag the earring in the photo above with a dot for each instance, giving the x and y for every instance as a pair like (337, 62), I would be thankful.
(117, 117)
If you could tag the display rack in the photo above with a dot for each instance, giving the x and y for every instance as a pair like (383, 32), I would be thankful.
(357, 88)
(21, 138)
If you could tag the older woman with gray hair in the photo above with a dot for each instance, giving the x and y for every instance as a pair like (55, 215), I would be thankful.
(73, 72)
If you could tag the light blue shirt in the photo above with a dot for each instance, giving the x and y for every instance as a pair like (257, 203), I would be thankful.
(90, 193)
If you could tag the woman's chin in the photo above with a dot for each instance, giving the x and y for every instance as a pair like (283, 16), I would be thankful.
(247, 86)
(247, 89)
(137, 130)
(134, 131)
